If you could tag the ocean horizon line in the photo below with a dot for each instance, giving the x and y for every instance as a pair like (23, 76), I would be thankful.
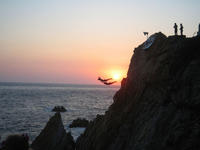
(12, 83)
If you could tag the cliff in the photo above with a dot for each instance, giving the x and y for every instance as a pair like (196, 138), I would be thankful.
(158, 104)
(54, 136)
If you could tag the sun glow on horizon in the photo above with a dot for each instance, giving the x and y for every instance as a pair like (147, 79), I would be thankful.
(116, 76)
(77, 41)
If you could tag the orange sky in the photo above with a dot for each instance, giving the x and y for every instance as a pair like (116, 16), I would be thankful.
(77, 41)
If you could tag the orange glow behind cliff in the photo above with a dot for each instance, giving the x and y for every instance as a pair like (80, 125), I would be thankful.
(77, 41)
(117, 74)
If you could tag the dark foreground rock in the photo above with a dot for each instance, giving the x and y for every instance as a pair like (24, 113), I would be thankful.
(54, 136)
(15, 142)
(79, 122)
(158, 105)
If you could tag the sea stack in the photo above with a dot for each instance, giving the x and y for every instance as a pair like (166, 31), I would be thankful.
(54, 136)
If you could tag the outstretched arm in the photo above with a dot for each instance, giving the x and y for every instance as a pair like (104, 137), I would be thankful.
(109, 83)
(104, 80)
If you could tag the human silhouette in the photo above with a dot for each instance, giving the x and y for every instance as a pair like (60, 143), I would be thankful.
(181, 29)
(175, 28)
(198, 33)
(109, 83)
(199, 27)
(104, 80)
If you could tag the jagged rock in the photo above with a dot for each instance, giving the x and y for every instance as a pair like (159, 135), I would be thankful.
(79, 122)
(16, 141)
(158, 104)
(54, 136)
(59, 109)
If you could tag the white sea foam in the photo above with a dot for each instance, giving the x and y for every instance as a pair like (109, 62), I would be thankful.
(76, 132)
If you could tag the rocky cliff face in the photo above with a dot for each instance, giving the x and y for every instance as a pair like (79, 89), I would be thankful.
(158, 105)
(54, 136)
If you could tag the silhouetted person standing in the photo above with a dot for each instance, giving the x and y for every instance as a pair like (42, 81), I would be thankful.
(198, 33)
(175, 28)
(181, 29)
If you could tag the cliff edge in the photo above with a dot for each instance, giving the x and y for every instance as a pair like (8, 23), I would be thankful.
(158, 104)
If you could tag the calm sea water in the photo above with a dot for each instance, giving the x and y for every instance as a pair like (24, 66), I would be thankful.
(26, 108)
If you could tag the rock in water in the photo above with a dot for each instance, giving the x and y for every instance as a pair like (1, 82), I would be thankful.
(79, 122)
(59, 109)
(54, 136)
(158, 105)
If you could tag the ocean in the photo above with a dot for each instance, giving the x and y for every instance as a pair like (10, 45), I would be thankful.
(26, 107)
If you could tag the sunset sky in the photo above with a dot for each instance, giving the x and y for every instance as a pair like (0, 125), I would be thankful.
(75, 41)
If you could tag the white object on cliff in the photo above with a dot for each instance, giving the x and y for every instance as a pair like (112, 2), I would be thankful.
(148, 42)
(146, 33)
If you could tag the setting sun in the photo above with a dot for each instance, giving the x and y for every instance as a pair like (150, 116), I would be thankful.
(116, 76)
(112, 75)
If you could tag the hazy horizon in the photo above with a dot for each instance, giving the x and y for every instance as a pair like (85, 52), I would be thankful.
(57, 83)
(74, 42)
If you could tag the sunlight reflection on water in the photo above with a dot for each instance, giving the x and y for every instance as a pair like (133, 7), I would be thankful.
(26, 108)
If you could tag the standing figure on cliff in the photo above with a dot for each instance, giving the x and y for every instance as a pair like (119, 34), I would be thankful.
(198, 33)
(175, 28)
(181, 29)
